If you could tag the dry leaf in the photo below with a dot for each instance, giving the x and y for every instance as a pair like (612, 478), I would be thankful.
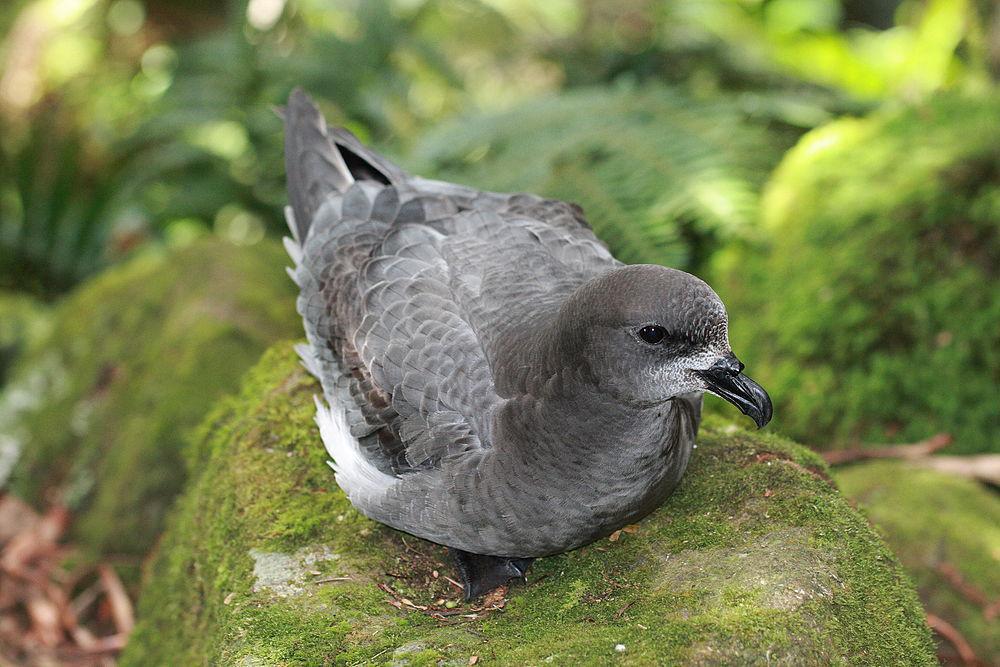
(37, 617)
(121, 606)
(44, 616)
(16, 517)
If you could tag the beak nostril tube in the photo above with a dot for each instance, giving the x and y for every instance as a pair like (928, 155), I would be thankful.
(728, 364)
(725, 379)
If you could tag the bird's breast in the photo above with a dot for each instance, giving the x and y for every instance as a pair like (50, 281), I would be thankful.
(561, 493)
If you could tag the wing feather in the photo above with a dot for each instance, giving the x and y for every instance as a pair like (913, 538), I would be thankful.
(407, 287)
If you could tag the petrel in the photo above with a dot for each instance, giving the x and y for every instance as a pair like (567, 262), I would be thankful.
(494, 380)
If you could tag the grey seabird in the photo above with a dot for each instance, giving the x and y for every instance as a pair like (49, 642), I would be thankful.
(494, 380)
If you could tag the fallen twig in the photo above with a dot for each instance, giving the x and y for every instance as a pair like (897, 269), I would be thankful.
(372, 658)
(916, 450)
(408, 547)
(948, 632)
(399, 601)
(968, 591)
(86, 598)
(621, 612)
(121, 606)
(981, 467)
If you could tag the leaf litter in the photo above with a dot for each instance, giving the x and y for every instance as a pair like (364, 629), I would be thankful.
(52, 611)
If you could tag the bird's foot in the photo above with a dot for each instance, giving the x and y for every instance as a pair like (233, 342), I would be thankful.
(481, 574)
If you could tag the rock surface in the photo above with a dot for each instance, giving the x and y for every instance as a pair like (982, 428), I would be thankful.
(946, 532)
(96, 414)
(757, 559)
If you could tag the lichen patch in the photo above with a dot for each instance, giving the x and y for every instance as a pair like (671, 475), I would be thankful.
(748, 572)
(286, 575)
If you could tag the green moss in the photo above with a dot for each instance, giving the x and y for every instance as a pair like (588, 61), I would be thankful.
(871, 314)
(934, 522)
(134, 360)
(23, 320)
(756, 557)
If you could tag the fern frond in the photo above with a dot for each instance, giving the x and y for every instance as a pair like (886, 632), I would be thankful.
(662, 177)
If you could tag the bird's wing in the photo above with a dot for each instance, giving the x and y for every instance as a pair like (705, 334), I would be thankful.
(387, 335)
(406, 284)
(405, 297)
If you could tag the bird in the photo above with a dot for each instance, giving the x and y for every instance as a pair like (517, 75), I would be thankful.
(493, 379)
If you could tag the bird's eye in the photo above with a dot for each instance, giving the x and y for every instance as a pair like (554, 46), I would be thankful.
(652, 334)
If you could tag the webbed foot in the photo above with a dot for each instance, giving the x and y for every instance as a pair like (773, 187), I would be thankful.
(481, 574)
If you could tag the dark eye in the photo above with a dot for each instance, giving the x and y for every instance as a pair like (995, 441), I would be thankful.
(652, 334)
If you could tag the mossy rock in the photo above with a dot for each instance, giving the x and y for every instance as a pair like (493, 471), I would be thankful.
(756, 559)
(136, 357)
(945, 530)
(23, 321)
(872, 312)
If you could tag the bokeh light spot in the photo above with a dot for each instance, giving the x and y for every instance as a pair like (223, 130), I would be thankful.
(126, 17)
(263, 14)
(225, 138)
(239, 226)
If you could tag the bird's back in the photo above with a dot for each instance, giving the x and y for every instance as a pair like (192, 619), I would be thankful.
(413, 290)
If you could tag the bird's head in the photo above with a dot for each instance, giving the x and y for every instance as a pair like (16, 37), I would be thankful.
(647, 333)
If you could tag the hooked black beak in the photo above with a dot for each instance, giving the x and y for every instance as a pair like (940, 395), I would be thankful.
(726, 380)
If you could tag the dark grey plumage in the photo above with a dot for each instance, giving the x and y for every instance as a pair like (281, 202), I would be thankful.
(479, 354)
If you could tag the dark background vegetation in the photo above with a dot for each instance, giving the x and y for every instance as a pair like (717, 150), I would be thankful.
(831, 167)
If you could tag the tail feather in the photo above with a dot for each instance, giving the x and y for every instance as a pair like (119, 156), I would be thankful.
(314, 165)
(293, 227)
(363, 162)
(293, 249)
(320, 160)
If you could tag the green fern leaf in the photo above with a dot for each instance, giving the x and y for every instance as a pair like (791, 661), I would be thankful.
(662, 177)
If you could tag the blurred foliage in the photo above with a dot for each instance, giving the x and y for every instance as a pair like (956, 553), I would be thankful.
(872, 312)
(868, 50)
(23, 322)
(132, 361)
(123, 128)
(127, 121)
(944, 529)
(663, 178)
